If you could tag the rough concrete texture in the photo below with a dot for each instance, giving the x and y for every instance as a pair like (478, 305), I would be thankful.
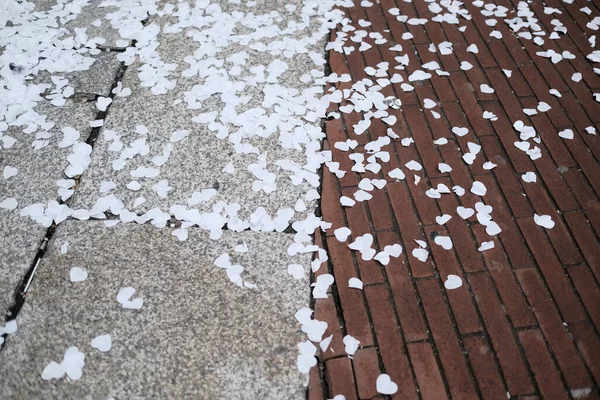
(99, 78)
(19, 241)
(38, 171)
(196, 336)
(197, 161)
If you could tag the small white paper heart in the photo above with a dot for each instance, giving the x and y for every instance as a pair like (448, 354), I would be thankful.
(413, 165)
(543, 107)
(486, 88)
(396, 173)
(459, 131)
(9, 203)
(566, 134)
(544, 221)
(458, 190)
(478, 188)
(453, 282)
(492, 228)
(443, 241)
(465, 213)
(361, 195)
(103, 102)
(102, 343)
(355, 283)
(486, 246)
(341, 234)
(529, 177)
(347, 201)
(469, 158)
(385, 385)
(9, 172)
(428, 104)
(351, 344)
(432, 193)
(296, 271)
(383, 257)
(393, 250)
(442, 219)
(78, 274)
(444, 168)
(465, 65)
(420, 254)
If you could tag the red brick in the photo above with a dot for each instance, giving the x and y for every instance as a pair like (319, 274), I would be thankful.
(340, 377)
(460, 299)
(315, 386)
(586, 240)
(423, 139)
(580, 119)
(588, 166)
(427, 372)
(552, 270)
(585, 196)
(545, 374)
(501, 272)
(588, 343)
(325, 310)
(484, 367)
(510, 185)
(381, 212)
(512, 241)
(477, 77)
(446, 341)
(521, 162)
(559, 236)
(456, 117)
(403, 293)
(331, 207)
(408, 224)
(466, 248)
(358, 220)
(588, 290)
(352, 300)
(554, 143)
(484, 57)
(391, 347)
(466, 96)
(553, 329)
(441, 84)
(366, 371)
(500, 334)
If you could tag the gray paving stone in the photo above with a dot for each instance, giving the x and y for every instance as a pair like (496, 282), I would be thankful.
(19, 242)
(99, 78)
(35, 183)
(196, 162)
(197, 335)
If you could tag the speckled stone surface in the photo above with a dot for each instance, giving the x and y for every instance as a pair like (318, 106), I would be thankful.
(197, 335)
(197, 161)
(35, 183)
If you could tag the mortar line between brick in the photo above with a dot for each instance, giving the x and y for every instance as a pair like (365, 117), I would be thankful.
(386, 283)
(545, 233)
(496, 360)
(551, 351)
(472, 376)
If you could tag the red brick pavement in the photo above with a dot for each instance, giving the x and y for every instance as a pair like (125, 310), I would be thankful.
(525, 323)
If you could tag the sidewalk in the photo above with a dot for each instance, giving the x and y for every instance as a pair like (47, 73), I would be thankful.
(322, 199)
(520, 317)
